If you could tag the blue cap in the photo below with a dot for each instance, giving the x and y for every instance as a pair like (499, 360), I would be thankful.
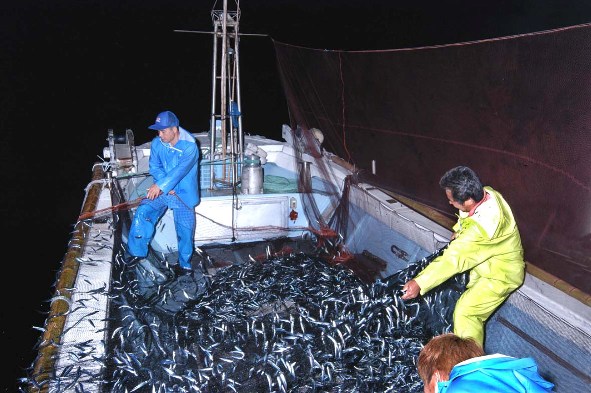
(164, 120)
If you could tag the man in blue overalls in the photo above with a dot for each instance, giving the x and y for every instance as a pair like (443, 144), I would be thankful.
(174, 157)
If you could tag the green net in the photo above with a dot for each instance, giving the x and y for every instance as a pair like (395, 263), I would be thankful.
(280, 184)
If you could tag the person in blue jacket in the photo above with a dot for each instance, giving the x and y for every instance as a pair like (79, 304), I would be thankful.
(452, 364)
(174, 157)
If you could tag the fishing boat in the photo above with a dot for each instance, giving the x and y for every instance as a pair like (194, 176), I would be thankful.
(300, 253)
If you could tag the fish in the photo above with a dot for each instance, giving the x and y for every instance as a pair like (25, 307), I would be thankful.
(292, 322)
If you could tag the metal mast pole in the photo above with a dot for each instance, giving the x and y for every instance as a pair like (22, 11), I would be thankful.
(212, 141)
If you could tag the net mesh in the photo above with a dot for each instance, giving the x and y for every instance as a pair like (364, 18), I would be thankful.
(514, 109)
(288, 323)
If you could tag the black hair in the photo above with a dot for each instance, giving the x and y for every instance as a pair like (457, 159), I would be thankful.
(463, 183)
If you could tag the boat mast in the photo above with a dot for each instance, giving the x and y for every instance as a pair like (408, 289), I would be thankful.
(226, 122)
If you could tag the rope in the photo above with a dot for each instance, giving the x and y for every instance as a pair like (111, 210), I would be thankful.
(115, 208)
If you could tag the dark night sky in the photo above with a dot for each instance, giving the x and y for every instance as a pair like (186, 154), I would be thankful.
(75, 68)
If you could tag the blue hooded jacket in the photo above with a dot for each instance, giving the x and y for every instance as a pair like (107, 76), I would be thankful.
(495, 373)
(175, 167)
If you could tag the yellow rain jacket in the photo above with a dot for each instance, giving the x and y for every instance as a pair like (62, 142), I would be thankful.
(488, 244)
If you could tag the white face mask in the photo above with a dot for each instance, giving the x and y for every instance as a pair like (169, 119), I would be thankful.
(437, 380)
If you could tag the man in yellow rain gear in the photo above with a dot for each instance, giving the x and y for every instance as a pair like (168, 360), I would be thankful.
(486, 241)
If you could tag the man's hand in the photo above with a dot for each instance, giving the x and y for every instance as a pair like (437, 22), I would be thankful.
(153, 192)
(411, 290)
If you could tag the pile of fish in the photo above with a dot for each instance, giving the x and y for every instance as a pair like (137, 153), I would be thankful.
(292, 323)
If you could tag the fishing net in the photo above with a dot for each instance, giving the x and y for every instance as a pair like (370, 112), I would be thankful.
(514, 109)
(289, 323)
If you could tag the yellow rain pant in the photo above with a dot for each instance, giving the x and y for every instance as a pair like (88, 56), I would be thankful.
(473, 309)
